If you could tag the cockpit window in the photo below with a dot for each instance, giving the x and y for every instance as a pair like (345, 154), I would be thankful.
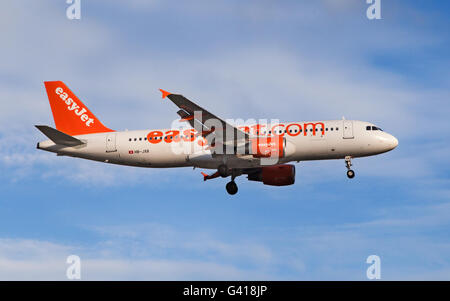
(374, 128)
(368, 128)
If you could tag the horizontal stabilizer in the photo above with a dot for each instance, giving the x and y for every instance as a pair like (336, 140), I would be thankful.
(59, 137)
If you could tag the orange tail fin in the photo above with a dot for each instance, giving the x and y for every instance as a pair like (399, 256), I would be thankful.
(70, 114)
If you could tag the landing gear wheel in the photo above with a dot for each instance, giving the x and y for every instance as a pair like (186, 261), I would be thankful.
(232, 187)
(350, 174)
(348, 164)
(223, 170)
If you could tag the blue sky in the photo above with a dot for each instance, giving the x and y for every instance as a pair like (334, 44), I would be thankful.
(290, 60)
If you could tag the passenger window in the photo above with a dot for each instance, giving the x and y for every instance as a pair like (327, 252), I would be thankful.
(129, 139)
(331, 129)
(140, 139)
(135, 139)
(337, 129)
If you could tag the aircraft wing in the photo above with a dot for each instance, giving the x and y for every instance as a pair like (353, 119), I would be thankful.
(208, 125)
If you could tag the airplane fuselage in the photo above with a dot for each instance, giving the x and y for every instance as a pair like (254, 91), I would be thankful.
(162, 148)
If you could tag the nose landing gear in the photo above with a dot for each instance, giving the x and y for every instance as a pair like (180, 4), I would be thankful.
(350, 174)
(348, 164)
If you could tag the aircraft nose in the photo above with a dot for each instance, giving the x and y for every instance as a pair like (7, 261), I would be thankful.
(393, 142)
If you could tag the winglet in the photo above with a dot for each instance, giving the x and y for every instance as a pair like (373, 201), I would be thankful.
(164, 93)
(205, 176)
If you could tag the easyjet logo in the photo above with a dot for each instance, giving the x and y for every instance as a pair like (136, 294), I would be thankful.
(277, 130)
(73, 106)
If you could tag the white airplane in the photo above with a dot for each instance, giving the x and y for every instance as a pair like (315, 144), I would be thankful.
(259, 151)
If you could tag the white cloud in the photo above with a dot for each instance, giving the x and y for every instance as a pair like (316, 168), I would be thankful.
(25, 259)
(153, 251)
(41, 260)
(152, 237)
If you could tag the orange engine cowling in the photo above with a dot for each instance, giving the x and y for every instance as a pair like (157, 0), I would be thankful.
(275, 175)
(263, 147)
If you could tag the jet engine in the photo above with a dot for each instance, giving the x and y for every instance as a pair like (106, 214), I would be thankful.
(275, 175)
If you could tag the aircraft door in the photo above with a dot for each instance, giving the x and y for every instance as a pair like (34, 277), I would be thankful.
(111, 143)
(347, 127)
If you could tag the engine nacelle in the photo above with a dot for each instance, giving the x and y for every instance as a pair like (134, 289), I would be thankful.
(275, 175)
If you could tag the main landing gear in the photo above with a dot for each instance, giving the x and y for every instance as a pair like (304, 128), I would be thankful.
(348, 164)
(224, 172)
(232, 187)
